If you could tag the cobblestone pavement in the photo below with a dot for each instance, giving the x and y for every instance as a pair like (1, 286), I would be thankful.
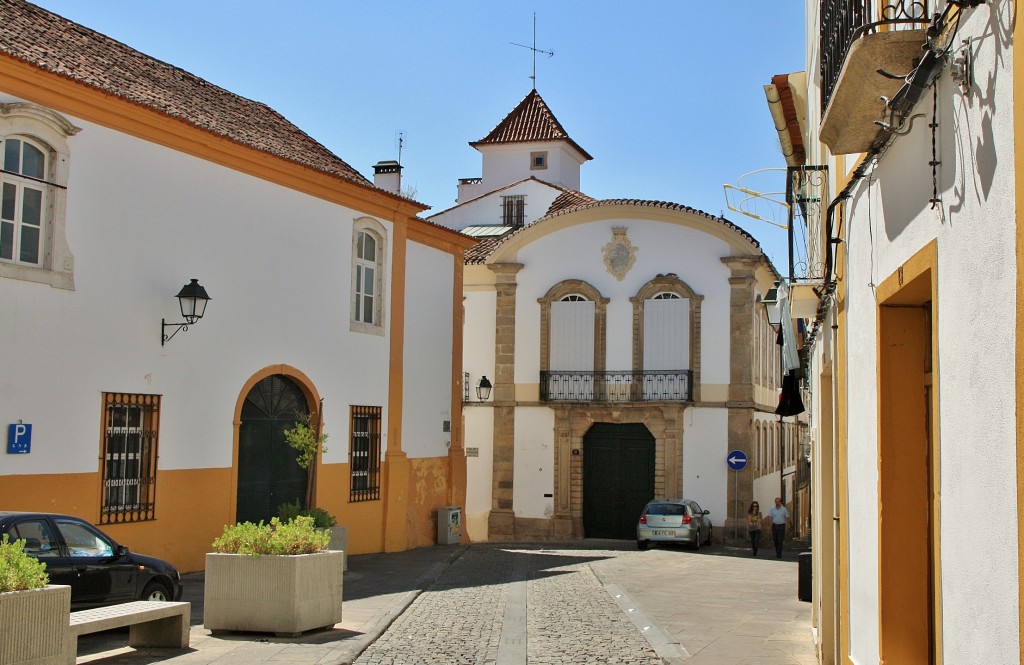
(515, 604)
(593, 601)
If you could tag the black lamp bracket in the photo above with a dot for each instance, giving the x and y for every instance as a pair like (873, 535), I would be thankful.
(164, 337)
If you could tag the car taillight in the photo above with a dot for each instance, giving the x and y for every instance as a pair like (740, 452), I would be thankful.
(686, 519)
(643, 519)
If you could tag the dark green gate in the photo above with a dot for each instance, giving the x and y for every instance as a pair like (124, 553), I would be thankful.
(268, 474)
(618, 479)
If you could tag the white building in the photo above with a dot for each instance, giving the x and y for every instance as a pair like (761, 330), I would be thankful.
(124, 178)
(902, 141)
(624, 340)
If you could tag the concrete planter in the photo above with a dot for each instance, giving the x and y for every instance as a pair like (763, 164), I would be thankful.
(34, 626)
(285, 595)
(339, 542)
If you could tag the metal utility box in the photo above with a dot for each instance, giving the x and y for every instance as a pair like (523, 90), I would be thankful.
(804, 578)
(449, 525)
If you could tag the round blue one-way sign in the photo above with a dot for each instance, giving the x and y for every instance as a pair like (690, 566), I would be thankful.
(737, 460)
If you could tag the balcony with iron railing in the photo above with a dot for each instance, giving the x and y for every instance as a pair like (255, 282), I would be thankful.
(867, 48)
(627, 386)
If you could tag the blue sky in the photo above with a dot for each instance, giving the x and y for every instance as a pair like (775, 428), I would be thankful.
(666, 96)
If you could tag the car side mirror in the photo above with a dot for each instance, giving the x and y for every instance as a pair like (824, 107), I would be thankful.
(707, 512)
(121, 551)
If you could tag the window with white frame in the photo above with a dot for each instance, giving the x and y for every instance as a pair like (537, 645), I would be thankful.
(34, 159)
(22, 201)
(368, 247)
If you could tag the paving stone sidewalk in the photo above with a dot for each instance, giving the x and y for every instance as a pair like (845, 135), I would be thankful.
(499, 605)
(503, 604)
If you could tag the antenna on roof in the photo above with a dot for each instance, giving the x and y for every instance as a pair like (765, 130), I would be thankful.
(535, 51)
(400, 143)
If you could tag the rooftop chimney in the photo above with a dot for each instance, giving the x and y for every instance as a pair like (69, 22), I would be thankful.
(388, 176)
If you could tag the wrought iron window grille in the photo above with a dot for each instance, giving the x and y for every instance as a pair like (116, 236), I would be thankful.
(364, 454)
(842, 22)
(130, 436)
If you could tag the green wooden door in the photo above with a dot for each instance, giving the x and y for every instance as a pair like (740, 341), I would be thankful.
(268, 474)
(618, 479)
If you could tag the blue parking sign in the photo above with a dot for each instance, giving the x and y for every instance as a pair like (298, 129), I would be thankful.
(19, 439)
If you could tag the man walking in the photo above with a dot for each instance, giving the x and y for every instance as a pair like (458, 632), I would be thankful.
(779, 516)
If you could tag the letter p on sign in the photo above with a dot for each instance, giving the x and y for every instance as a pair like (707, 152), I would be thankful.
(19, 439)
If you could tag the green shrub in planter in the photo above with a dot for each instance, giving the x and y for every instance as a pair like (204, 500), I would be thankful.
(298, 536)
(19, 571)
(321, 518)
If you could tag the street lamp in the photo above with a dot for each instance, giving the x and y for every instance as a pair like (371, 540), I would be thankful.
(192, 299)
(771, 306)
(774, 313)
(483, 389)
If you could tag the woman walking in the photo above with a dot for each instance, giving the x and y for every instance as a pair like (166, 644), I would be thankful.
(754, 525)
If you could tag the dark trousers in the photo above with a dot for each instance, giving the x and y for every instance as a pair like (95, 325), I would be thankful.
(778, 534)
(755, 539)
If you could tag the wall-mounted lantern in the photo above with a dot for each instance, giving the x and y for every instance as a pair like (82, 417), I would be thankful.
(192, 298)
(483, 389)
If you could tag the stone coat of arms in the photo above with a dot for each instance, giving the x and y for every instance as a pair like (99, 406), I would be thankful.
(619, 254)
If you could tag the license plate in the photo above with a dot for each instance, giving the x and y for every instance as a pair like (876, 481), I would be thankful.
(664, 533)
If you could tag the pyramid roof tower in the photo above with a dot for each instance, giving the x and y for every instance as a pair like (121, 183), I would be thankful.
(531, 121)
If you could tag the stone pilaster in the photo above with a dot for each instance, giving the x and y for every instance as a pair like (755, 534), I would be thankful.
(501, 521)
(742, 319)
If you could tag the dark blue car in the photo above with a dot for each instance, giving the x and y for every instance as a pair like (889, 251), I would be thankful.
(98, 570)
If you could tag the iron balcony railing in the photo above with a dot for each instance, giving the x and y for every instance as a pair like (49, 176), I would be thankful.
(844, 21)
(639, 386)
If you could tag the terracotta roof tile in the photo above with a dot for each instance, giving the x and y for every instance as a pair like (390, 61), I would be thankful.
(530, 121)
(480, 252)
(60, 46)
(569, 198)
(667, 205)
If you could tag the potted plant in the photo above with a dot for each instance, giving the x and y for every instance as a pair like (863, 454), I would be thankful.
(273, 578)
(34, 616)
(321, 520)
(309, 441)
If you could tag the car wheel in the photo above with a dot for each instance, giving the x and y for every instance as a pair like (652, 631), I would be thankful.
(696, 541)
(155, 591)
(642, 545)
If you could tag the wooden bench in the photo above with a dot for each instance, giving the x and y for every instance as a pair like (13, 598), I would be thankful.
(153, 624)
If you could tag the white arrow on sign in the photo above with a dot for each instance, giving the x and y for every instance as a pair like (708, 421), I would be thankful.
(737, 460)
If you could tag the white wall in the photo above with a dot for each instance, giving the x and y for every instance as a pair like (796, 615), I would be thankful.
(142, 220)
(479, 433)
(429, 280)
(507, 163)
(488, 210)
(705, 471)
(478, 337)
(974, 227)
(534, 462)
(658, 252)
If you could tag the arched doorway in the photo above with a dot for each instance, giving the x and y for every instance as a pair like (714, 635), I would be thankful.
(618, 478)
(268, 474)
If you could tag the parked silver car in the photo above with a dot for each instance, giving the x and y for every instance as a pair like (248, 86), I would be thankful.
(673, 521)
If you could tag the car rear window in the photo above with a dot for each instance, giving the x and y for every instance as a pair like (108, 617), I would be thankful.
(666, 509)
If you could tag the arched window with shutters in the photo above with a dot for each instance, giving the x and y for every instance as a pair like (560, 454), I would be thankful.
(572, 341)
(666, 345)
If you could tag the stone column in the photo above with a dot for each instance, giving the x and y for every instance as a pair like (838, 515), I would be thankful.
(742, 318)
(501, 521)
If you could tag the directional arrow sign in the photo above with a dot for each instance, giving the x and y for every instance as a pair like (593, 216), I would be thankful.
(737, 460)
